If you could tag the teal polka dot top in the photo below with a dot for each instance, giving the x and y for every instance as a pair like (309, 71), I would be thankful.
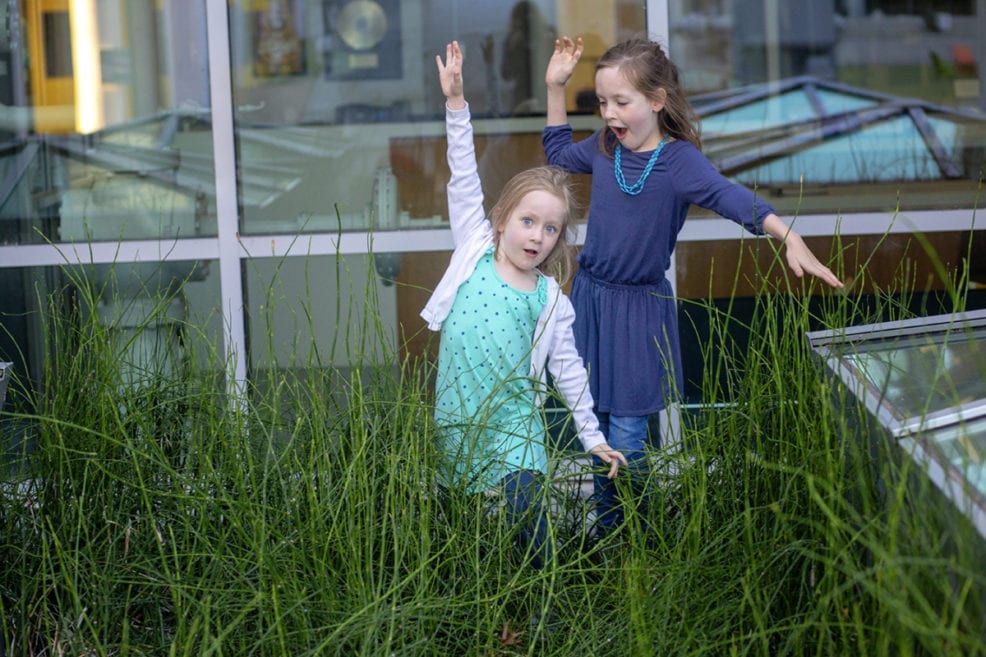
(490, 422)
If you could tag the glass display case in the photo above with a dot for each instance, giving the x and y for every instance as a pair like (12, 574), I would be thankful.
(923, 381)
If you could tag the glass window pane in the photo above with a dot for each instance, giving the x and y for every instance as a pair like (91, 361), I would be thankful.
(879, 103)
(105, 104)
(322, 311)
(158, 318)
(339, 113)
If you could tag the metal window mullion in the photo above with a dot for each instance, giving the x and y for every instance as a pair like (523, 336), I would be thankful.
(981, 57)
(90, 253)
(657, 13)
(274, 245)
(224, 152)
(658, 16)
(946, 165)
(440, 239)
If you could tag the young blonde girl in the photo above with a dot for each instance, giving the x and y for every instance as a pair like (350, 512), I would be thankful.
(504, 323)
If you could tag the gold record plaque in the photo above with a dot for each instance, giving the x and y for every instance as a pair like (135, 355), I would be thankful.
(362, 24)
(365, 39)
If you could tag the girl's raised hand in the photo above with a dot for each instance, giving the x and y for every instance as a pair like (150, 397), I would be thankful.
(563, 61)
(450, 75)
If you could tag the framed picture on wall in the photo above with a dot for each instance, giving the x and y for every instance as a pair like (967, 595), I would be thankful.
(278, 37)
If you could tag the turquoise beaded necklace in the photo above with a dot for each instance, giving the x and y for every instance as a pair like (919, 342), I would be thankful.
(638, 186)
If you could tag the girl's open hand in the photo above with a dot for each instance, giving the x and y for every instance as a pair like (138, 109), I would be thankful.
(563, 61)
(799, 257)
(613, 458)
(450, 75)
(801, 261)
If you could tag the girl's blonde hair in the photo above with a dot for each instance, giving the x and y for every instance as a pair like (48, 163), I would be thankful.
(553, 180)
(646, 67)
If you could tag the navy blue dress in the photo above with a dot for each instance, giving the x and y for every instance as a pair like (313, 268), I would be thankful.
(626, 326)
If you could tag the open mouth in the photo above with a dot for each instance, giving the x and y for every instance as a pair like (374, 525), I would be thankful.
(531, 252)
(619, 132)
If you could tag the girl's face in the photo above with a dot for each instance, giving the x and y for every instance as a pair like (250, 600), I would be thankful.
(528, 235)
(629, 114)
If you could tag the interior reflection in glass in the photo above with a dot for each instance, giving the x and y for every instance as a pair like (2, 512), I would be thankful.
(964, 446)
(924, 374)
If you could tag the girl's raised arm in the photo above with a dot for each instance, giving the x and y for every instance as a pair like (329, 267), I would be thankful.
(560, 69)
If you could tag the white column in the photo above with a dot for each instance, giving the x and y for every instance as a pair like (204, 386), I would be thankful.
(230, 279)
(659, 30)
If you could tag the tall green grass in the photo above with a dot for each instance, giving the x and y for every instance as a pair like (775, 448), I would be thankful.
(162, 519)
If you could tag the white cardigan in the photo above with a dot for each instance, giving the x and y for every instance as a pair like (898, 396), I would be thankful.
(472, 235)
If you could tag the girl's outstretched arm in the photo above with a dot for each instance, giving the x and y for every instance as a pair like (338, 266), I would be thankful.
(560, 69)
(799, 257)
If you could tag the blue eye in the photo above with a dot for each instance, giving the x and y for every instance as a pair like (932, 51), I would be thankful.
(527, 221)
(551, 229)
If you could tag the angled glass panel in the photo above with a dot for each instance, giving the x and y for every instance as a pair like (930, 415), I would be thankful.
(923, 374)
(836, 103)
(792, 107)
(886, 151)
(923, 382)
(787, 108)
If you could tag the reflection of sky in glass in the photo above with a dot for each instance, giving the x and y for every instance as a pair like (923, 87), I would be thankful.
(947, 133)
(964, 446)
(885, 151)
(889, 150)
(790, 107)
(917, 376)
(837, 103)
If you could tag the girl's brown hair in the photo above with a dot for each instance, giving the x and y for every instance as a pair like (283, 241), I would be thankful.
(648, 69)
(550, 179)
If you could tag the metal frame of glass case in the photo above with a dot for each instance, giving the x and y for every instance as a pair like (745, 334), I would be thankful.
(924, 382)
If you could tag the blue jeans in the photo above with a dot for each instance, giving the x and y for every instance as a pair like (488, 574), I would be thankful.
(524, 493)
(628, 434)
